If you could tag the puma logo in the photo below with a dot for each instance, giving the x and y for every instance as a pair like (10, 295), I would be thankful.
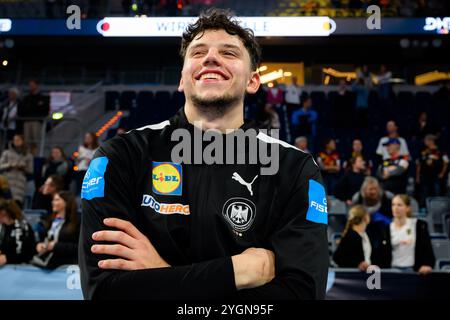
(239, 179)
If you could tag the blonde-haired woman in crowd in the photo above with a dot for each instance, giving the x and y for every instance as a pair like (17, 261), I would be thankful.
(407, 245)
(355, 249)
(16, 163)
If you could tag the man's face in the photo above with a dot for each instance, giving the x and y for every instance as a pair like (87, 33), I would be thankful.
(217, 66)
(391, 127)
(357, 145)
(49, 188)
(393, 148)
(372, 192)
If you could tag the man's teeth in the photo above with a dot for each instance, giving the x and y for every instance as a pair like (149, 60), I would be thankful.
(211, 76)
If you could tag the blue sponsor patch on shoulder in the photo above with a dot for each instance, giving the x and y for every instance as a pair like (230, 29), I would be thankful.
(317, 203)
(94, 179)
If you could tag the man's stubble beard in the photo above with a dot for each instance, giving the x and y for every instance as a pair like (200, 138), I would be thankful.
(215, 107)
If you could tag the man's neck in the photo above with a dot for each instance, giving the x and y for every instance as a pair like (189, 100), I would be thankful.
(233, 118)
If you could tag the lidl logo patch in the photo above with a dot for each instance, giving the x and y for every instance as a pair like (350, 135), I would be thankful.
(167, 178)
(317, 209)
(94, 179)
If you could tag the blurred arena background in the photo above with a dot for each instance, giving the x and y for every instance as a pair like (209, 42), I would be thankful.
(360, 76)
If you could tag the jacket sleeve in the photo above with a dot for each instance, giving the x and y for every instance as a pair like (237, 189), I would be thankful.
(67, 244)
(424, 249)
(205, 280)
(349, 253)
(299, 242)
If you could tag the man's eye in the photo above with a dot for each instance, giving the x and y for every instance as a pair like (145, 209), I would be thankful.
(196, 53)
(229, 53)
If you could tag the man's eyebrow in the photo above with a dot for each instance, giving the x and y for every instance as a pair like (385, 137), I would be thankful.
(225, 45)
(232, 46)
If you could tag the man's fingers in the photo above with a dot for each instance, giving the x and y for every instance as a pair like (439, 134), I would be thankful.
(115, 236)
(119, 264)
(113, 250)
(124, 225)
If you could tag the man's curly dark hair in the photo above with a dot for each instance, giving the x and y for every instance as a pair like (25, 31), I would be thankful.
(222, 19)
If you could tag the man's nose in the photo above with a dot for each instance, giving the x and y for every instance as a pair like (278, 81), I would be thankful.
(211, 58)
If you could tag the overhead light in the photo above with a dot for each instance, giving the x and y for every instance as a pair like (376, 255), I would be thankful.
(272, 76)
(5, 63)
(287, 74)
(429, 77)
(262, 68)
(57, 116)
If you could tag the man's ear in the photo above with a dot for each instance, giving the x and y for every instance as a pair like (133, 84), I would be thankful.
(254, 83)
(180, 86)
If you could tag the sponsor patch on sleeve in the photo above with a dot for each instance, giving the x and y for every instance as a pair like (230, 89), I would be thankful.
(94, 179)
(317, 203)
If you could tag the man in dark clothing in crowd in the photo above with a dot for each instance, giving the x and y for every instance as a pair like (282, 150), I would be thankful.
(351, 181)
(393, 171)
(34, 105)
(431, 170)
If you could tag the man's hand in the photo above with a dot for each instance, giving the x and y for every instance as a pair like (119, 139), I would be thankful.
(363, 266)
(2, 259)
(41, 247)
(425, 270)
(253, 268)
(134, 250)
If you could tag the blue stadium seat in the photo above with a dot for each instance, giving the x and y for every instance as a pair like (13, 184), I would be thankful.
(441, 248)
(127, 98)
(144, 99)
(111, 100)
(436, 208)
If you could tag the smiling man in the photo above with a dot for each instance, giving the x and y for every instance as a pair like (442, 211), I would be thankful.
(153, 228)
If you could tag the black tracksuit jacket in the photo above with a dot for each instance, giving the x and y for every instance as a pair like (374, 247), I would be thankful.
(197, 216)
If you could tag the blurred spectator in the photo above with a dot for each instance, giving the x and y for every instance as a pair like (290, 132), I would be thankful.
(85, 154)
(61, 243)
(355, 249)
(351, 181)
(423, 127)
(304, 122)
(292, 96)
(302, 144)
(275, 95)
(378, 204)
(431, 170)
(374, 198)
(362, 104)
(342, 108)
(17, 244)
(8, 114)
(364, 73)
(357, 151)
(330, 164)
(43, 200)
(407, 244)
(392, 132)
(268, 118)
(384, 82)
(34, 105)
(15, 163)
(59, 165)
(393, 171)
